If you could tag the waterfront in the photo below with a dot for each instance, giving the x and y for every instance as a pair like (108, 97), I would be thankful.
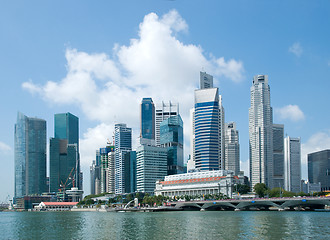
(165, 225)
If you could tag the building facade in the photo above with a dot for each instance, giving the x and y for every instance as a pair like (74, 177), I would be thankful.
(319, 168)
(199, 183)
(64, 158)
(164, 111)
(232, 155)
(292, 164)
(147, 111)
(278, 155)
(171, 138)
(123, 144)
(151, 165)
(208, 132)
(261, 133)
(130, 172)
(30, 156)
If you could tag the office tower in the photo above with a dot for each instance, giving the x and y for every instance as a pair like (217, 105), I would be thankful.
(278, 155)
(319, 168)
(151, 165)
(208, 123)
(30, 156)
(232, 156)
(164, 111)
(107, 166)
(206, 80)
(64, 159)
(147, 120)
(171, 138)
(123, 144)
(261, 133)
(292, 164)
(92, 175)
(130, 172)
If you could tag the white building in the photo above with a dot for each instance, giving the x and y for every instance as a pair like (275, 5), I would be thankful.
(292, 164)
(163, 112)
(232, 156)
(151, 165)
(199, 183)
(261, 133)
(208, 127)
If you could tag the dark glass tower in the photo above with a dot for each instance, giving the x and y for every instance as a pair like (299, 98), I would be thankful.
(30, 156)
(147, 119)
(319, 168)
(171, 137)
(64, 154)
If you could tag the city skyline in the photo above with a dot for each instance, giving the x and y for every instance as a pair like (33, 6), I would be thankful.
(47, 64)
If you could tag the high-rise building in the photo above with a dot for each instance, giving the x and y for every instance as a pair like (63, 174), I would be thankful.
(319, 168)
(107, 169)
(292, 164)
(261, 133)
(232, 156)
(147, 119)
(123, 144)
(208, 132)
(206, 80)
(278, 155)
(151, 165)
(171, 138)
(130, 172)
(164, 111)
(30, 156)
(64, 159)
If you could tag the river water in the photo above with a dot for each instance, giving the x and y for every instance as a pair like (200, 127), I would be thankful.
(165, 225)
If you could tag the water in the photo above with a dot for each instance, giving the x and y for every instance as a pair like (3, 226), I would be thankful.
(165, 225)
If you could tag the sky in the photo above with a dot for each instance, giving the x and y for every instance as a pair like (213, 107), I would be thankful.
(98, 60)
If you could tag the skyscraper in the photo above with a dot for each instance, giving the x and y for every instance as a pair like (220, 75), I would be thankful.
(278, 155)
(130, 172)
(208, 132)
(164, 111)
(64, 159)
(292, 164)
(261, 133)
(232, 156)
(151, 165)
(319, 168)
(30, 156)
(147, 119)
(205, 80)
(123, 144)
(107, 165)
(171, 138)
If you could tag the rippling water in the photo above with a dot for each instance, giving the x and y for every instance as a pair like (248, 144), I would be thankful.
(165, 225)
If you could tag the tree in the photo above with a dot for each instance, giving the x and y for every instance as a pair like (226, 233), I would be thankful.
(243, 188)
(260, 189)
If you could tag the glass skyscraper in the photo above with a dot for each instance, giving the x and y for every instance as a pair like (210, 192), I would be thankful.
(151, 165)
(30, 156)
(232, 156)
(261, 133)
(64, 157)
(292, 164)
(208, 127)
(123, 144)
(147, 119)
(278, 155)
(319, 168)
(171, 137)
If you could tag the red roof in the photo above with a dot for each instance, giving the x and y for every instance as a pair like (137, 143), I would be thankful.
(208, 179)
(60, 203)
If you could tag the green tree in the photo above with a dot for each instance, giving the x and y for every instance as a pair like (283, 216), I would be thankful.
(260, 189)
(242, 188)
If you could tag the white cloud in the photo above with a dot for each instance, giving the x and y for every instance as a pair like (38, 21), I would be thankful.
(317, 142)
(290, 112)
(296, 49)
(109, 88)
(4, 147)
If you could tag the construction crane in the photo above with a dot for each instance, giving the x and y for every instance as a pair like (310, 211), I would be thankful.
(63, 186)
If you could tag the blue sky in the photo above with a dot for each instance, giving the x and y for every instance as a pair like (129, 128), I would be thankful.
(97, 60)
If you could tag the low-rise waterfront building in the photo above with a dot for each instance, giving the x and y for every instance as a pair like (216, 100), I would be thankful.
(199, 183)
(55, 206)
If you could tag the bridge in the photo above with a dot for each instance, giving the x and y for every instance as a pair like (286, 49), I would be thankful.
(300, 203)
